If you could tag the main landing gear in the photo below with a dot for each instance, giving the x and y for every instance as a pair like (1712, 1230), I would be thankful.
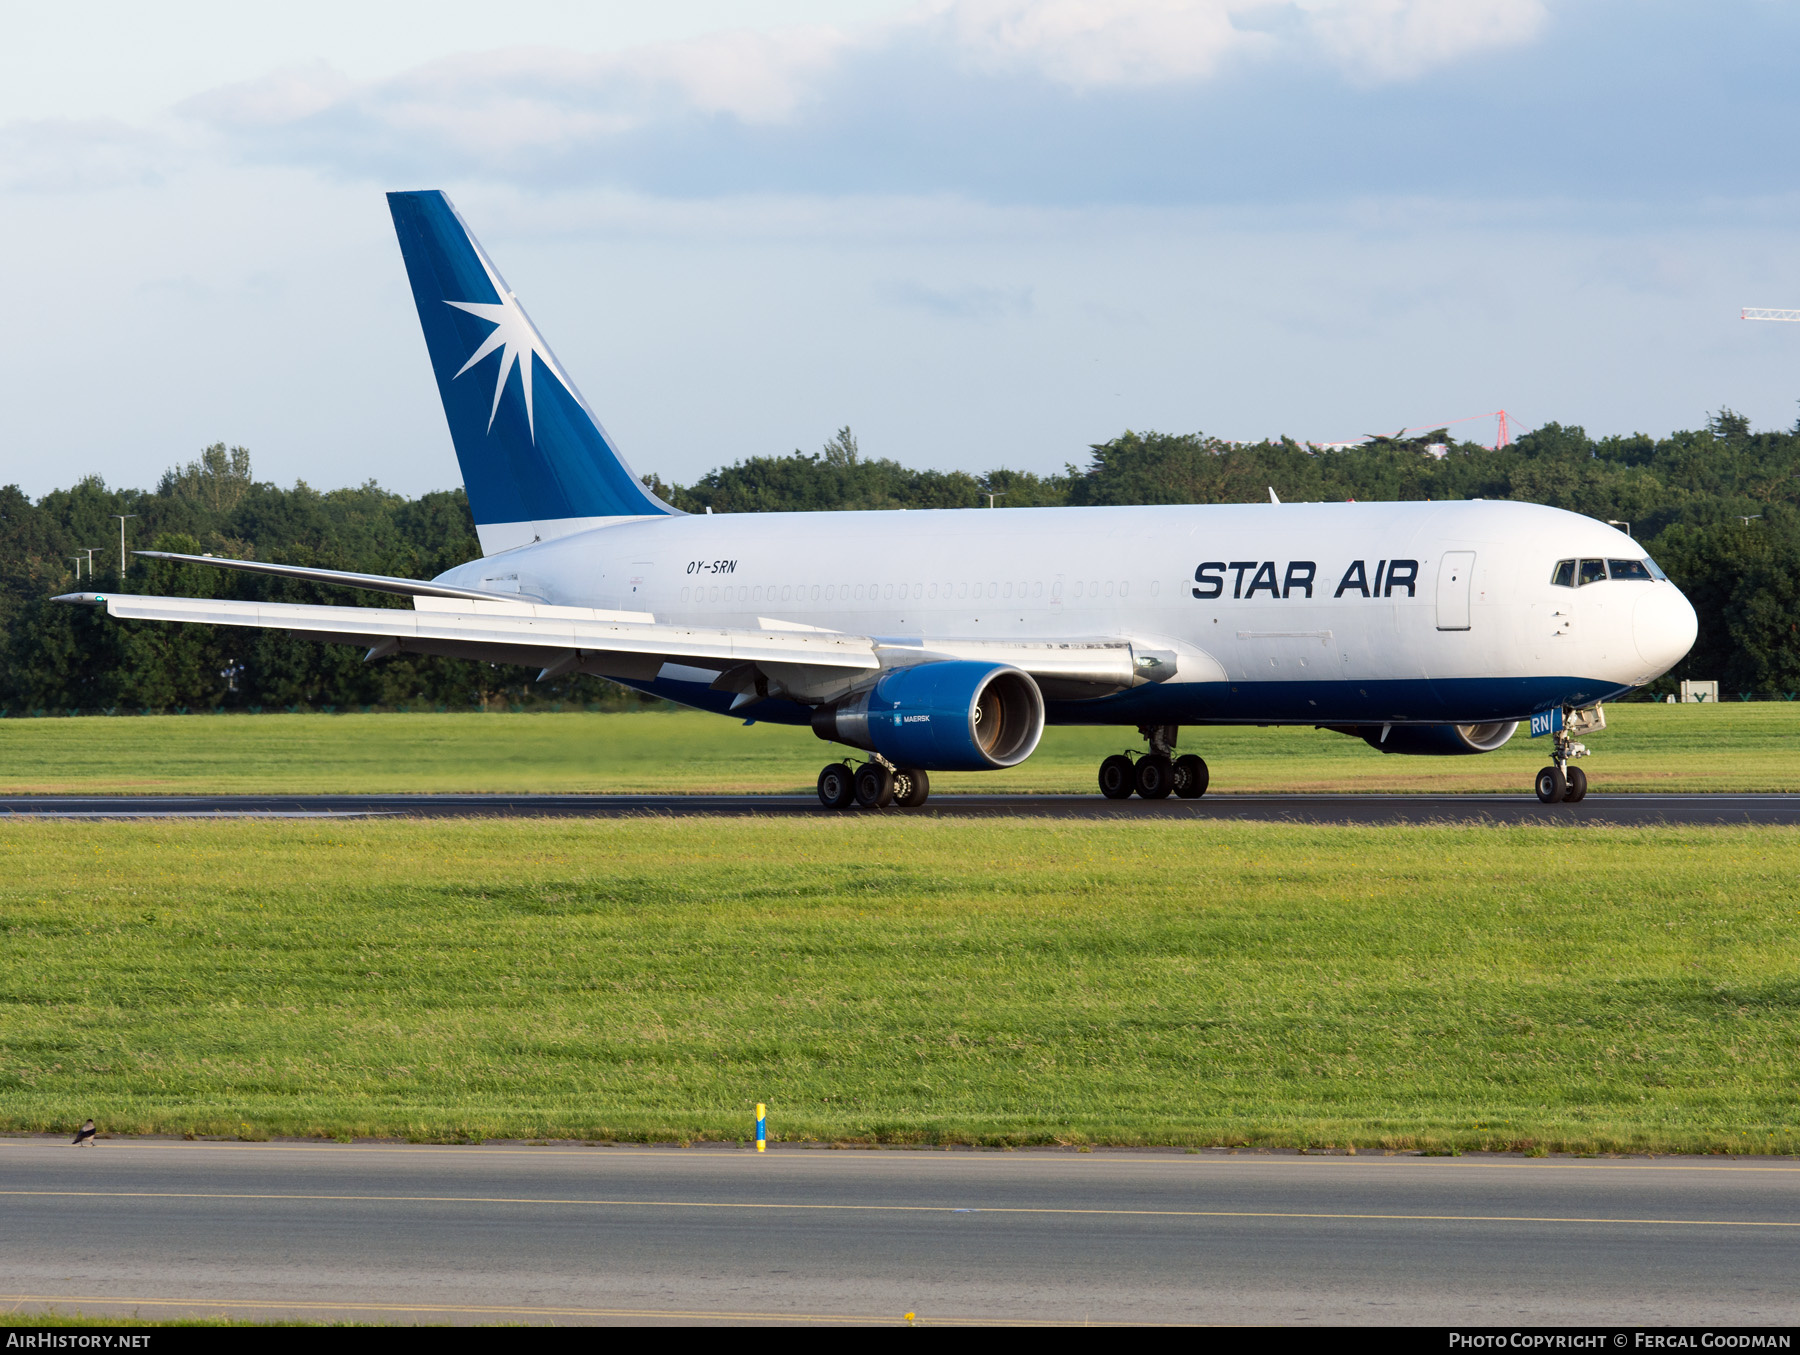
(1559, 783)
(874, 785)
(1157, 774)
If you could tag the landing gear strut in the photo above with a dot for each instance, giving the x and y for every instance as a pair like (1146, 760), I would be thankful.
(874, 785)
(1157, 774)
(1559, 783)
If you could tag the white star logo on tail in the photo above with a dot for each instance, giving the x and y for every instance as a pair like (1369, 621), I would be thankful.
(516, 338)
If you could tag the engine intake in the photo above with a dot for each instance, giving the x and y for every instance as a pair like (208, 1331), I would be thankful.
(954, 716)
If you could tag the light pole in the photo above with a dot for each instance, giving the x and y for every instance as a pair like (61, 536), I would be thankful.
(89, 552)
(1614, 522)
(122, 517)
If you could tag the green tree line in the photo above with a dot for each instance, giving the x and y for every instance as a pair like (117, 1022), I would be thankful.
(1718, 507)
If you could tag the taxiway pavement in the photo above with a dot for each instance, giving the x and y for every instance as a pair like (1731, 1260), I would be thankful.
(634, 1234)
(1359, 809)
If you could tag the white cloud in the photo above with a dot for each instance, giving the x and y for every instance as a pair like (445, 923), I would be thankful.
(520, 112)
(535, 96)
(1381, 40)
(1102, 42)
(1095, 43)
(506, 114)
(283, 96)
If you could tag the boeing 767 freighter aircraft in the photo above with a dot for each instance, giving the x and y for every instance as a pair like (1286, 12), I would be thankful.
(946, 640)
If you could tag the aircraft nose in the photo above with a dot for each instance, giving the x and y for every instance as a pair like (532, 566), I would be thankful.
(1664, 626)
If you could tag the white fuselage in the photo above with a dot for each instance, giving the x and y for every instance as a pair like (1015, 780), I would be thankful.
(1278, 613)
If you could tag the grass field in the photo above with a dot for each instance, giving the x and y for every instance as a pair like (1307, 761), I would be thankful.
(1748, 747)
(905, 981)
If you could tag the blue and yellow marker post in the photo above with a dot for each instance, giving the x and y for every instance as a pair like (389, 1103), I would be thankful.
(762, 1125)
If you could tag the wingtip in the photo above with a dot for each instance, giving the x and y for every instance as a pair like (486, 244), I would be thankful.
(85, 599)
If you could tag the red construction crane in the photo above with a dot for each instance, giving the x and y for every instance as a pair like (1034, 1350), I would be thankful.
(1502, 427)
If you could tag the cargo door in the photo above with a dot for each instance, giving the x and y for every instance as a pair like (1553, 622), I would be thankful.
(1455, 574)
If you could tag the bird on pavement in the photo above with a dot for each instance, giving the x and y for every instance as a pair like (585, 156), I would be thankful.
(85, 1135)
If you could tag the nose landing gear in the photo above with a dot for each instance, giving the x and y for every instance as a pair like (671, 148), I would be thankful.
(1157, 774)
(1560, 783)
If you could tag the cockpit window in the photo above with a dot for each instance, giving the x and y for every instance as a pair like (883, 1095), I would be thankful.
(1574, 573)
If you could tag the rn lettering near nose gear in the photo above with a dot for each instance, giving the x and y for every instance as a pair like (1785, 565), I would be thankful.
(945, 641)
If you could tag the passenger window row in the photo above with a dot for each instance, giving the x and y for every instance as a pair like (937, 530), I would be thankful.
(949, 590)
(1575, 573)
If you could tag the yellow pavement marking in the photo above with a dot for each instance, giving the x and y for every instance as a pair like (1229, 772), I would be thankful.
(511, 1310)
(892, 1208)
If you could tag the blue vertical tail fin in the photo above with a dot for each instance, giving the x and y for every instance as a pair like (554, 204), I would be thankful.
(535, 460)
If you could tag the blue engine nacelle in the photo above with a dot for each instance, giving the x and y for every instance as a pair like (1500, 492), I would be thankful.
(954, 716)
(1439, 740)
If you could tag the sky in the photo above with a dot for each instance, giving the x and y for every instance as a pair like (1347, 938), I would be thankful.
(981, 233)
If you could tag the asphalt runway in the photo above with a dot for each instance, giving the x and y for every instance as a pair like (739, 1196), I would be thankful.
(1369, 809)
(401, 1233)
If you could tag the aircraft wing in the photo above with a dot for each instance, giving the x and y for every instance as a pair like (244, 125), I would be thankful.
(342, 578)
(558, 639)
(801, 663)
